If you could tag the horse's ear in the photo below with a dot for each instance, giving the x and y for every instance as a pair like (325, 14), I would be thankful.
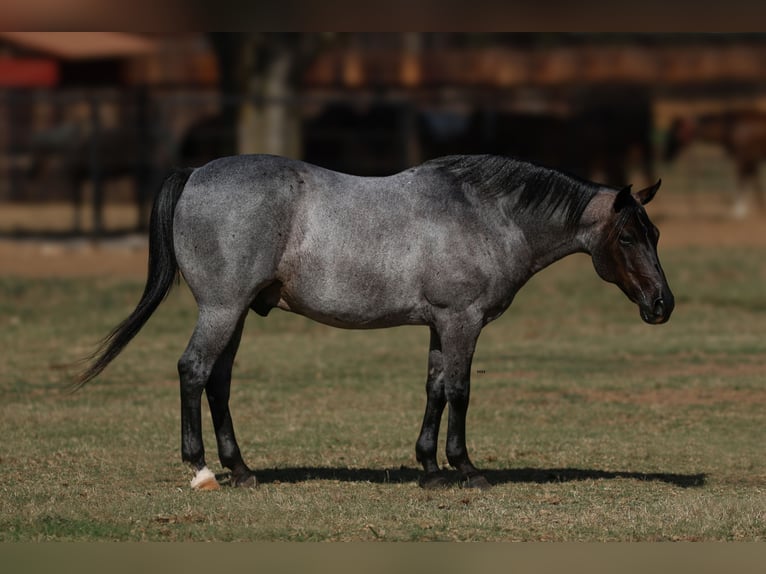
(646, 195)
(624, 199)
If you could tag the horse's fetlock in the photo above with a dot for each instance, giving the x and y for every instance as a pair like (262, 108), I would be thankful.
(423, 452)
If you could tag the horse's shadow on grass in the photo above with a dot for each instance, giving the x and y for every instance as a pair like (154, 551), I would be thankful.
(503, 476)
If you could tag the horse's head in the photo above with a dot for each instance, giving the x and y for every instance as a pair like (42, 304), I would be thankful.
(623, 246)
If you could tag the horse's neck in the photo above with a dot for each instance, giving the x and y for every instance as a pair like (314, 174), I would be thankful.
(548, 243)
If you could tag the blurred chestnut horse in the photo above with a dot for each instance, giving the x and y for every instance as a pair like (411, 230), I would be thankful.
(741, 133)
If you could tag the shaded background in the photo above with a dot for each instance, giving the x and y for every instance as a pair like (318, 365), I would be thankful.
(92, 121)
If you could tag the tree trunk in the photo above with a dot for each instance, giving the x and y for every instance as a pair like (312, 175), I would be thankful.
(269, 116)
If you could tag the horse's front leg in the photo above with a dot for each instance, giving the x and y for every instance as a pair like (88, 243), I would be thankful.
(436, 400)
(458, 344)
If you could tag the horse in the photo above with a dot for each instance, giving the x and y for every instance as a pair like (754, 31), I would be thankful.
(79, 156)
(446, 244)
(742, 135)
(605, 134)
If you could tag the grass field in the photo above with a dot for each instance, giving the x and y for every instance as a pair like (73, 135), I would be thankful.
(591, 425)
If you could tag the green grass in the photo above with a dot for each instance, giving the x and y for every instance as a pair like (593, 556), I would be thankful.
(591, 424)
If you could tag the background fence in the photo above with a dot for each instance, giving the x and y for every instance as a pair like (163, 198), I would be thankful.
(80, 158)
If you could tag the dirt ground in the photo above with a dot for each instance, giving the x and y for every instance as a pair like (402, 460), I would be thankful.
(682, 221)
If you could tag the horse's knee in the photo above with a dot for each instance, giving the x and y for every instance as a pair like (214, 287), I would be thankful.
(458, 394)
(457, 453)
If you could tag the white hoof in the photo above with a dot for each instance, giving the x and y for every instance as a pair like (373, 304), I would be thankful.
(204, 480)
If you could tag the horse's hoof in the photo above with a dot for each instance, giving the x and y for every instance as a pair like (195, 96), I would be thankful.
(477, 481)
(246, 480)
(205, 480)
(433, 481)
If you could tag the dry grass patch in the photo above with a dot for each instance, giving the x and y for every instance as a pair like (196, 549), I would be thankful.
(591, 425)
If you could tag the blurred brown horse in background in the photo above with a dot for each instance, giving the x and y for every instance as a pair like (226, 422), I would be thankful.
(741, 133)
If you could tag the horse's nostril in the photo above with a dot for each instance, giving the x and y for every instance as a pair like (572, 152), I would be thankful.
(659, 307)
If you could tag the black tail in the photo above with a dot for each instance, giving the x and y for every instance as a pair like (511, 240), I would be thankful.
(163, 269)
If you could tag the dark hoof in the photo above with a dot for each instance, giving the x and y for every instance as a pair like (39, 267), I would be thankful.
(477, 481)
(433, 481)
(245, 480)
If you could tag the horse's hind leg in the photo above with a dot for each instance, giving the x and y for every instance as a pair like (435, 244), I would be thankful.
(217, 391)
(215, 328)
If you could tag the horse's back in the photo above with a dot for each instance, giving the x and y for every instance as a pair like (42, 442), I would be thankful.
(260, 190)
(241, 177)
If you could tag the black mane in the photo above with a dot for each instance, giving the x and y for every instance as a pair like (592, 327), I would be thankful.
(524, 186)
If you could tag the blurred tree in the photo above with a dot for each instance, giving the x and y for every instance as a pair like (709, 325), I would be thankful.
(259, 77)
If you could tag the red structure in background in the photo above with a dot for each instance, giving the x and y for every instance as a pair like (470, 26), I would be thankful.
(28, 73)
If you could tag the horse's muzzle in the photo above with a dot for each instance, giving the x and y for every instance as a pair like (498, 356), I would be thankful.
(659, 311)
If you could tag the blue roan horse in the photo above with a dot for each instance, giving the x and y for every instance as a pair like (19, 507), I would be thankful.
(445, 244)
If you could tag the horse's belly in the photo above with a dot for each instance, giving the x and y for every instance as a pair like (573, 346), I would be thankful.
(350, 319)
(351, 310)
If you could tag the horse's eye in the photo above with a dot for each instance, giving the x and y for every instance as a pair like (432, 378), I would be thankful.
(626, 239)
